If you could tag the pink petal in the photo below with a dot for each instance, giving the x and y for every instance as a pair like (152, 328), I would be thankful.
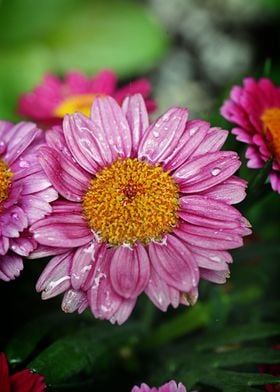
(137, 117)
(55, 278)
(123, 312)
(20, 137)
(207, 212)
(129, 271)
(140, 86)
(4, 245)
(160, 293)
(107, 114)
(192, 137)
(104, 82)
(208, 238)
(163, 136)
(23, 246)
(87, 142)
(205, 171)
(231, 191)
(103, 300)
(212, 142)
(66, 230)
(82, 264)
(72, 300)
(174, 263)
(10, 266)
(70, 180)
(219, 277)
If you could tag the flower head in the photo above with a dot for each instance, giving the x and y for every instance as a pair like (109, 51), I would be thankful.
(255, 109)
(170, 386)
(25, 193)
(50, 101)
(143, 208)
(24, 380)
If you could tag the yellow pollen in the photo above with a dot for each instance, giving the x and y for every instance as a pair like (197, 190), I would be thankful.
(5, 181)
(77, 103)
(271, 124)
(131, 201)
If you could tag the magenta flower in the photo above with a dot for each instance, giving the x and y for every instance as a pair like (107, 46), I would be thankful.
(255, 108)
(25, 193)
(54, 98)
(171, 386)
(144, 208)
(22, 381)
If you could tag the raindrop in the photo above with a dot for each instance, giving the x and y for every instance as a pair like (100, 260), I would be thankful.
(23, 163)
(193, 131)
(156, 133)
(216, 171)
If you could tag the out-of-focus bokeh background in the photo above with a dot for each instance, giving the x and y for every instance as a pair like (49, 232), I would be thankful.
(192, 51)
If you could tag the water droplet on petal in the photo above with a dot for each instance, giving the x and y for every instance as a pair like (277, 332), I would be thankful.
(216, 171)
(156, 133)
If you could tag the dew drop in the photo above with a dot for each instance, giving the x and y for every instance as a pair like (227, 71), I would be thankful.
(193, 131)
(156, 133)
(216, 171)
(23, 163)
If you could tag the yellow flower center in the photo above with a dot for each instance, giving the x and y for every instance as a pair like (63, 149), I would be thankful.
(5, 181)
(77, 103)
(131, 201)
(271, 124)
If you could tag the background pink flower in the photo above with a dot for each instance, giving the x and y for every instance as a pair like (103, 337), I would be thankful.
(171, 386)
(255, 109)
(143, 208)
(54, 98)
(25, 194)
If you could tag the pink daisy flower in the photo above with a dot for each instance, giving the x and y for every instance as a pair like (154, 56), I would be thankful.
(255, 109)
(54, 98)
(143, 208)
(171, 386)
(25, 193)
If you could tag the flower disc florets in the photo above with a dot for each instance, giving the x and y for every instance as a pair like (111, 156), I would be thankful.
(131, 201)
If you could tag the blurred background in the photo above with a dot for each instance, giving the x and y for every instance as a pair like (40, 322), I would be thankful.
(192, 51)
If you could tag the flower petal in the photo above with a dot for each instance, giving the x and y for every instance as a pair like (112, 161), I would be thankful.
(107, 114)
(55, 278)
(10, 266)
(87, 142)
(129, 271)
(163, 136)
(136, 114)
(64, 229)
(205, 171)
(174, 263)
(67, 177)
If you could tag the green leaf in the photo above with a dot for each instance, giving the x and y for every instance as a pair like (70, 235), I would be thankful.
(189, 320)
(117, 34)
(227, 379)
(86, 350)
(24, 344)
(22, 21)
(239, 334)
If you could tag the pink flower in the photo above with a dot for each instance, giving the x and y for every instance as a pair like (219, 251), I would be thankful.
(255, 109)
(23, 381)
(171, 386)
(54, 98)
(144, 208)
(25, 193)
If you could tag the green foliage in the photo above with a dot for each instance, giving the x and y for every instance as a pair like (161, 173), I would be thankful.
(58, 36)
